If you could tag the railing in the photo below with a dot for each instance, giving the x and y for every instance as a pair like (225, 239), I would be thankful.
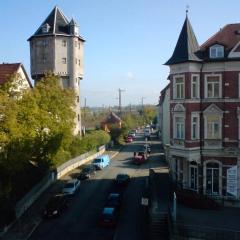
(212, 143)
(179, 142)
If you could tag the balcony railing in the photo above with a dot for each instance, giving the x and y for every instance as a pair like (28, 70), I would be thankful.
(178, 142)
(212, 143)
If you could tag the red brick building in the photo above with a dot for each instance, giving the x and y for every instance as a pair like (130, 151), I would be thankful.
(204, 152)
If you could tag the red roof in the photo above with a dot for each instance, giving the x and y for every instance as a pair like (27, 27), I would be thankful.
(8, 69)
(229, 36)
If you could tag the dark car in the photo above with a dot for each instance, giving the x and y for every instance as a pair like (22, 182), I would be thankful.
(114, 200)
(87, 172)
(122, 179)
(109, 217)
(56, 205)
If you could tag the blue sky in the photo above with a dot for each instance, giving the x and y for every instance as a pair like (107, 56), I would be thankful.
(127, 41)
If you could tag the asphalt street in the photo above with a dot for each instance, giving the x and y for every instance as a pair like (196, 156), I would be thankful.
(80, 220)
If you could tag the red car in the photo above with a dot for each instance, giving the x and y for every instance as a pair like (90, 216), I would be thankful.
(140, 158)
(129, 139)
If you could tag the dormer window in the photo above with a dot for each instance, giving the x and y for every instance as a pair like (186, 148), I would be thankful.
(45, 28)
(216, 51)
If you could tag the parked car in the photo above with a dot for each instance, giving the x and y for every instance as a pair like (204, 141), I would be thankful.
(114, 200)
(132, 133)
(122, 179)
(86, 172)
(101, 162)
(109, 217)
(140, 158)
(56, 205)
(71, 187)
(129, 139)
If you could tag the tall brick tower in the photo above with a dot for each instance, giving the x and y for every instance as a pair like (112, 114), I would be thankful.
(57, 47)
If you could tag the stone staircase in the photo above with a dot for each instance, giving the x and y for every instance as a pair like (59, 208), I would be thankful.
(158, 226)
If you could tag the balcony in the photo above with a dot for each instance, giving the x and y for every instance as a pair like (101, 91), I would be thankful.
(212, 143)
(178, 142)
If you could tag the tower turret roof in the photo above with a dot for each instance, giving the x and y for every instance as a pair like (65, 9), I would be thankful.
(56, 23)
(186, 46)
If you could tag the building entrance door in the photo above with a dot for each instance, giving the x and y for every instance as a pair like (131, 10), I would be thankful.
(212, 179)
(193, 177)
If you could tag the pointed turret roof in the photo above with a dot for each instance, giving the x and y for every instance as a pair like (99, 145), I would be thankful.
(56, 22)
(186, 46)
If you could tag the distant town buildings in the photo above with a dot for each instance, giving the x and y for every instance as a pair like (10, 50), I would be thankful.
(204, 111)
(57, 47)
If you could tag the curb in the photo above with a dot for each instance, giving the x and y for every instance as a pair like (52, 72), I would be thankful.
(33, 229)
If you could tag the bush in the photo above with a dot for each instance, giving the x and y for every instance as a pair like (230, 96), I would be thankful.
(89, 142)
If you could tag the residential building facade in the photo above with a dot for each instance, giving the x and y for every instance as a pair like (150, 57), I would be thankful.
(205, 112)
(57, 47)
(164, 115)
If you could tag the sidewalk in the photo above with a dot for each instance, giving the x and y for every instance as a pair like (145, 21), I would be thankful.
(23, 227)
(159, 191)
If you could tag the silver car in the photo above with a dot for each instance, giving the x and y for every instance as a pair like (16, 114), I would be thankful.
(71, 187)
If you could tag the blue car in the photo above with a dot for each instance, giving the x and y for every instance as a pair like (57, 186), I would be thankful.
(101, 162)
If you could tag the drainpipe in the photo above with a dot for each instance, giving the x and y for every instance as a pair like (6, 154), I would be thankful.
(201, 123)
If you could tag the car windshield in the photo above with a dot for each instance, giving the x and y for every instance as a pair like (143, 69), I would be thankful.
(98, 160)
(69, 185)
(53, 201)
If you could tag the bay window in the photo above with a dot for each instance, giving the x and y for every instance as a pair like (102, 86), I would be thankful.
(178, 87)
(213, 88)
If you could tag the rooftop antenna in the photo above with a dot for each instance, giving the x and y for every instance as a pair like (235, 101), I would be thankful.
(187, 8)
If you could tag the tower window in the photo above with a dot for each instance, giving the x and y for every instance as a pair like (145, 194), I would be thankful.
(75, 43)
(78, 117)
(64, 43)
(79, 62)
(79, 45)
(45, 28)
(44, 43)
(76, 60)
(64, 60)
(77, 98)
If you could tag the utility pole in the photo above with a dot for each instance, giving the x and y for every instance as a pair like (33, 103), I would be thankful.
(120, 100)
(142, 104)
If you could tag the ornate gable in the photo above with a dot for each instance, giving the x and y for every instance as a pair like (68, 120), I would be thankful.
(179, 108)
(213, 109)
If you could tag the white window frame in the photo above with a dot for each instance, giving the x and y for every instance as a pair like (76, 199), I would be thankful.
(216, 51)
(64, 43)
(175, 86)
(189, 177)
(197, 85)
(206, 85)
(175, 126)
(195, 115)
(206, 126)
